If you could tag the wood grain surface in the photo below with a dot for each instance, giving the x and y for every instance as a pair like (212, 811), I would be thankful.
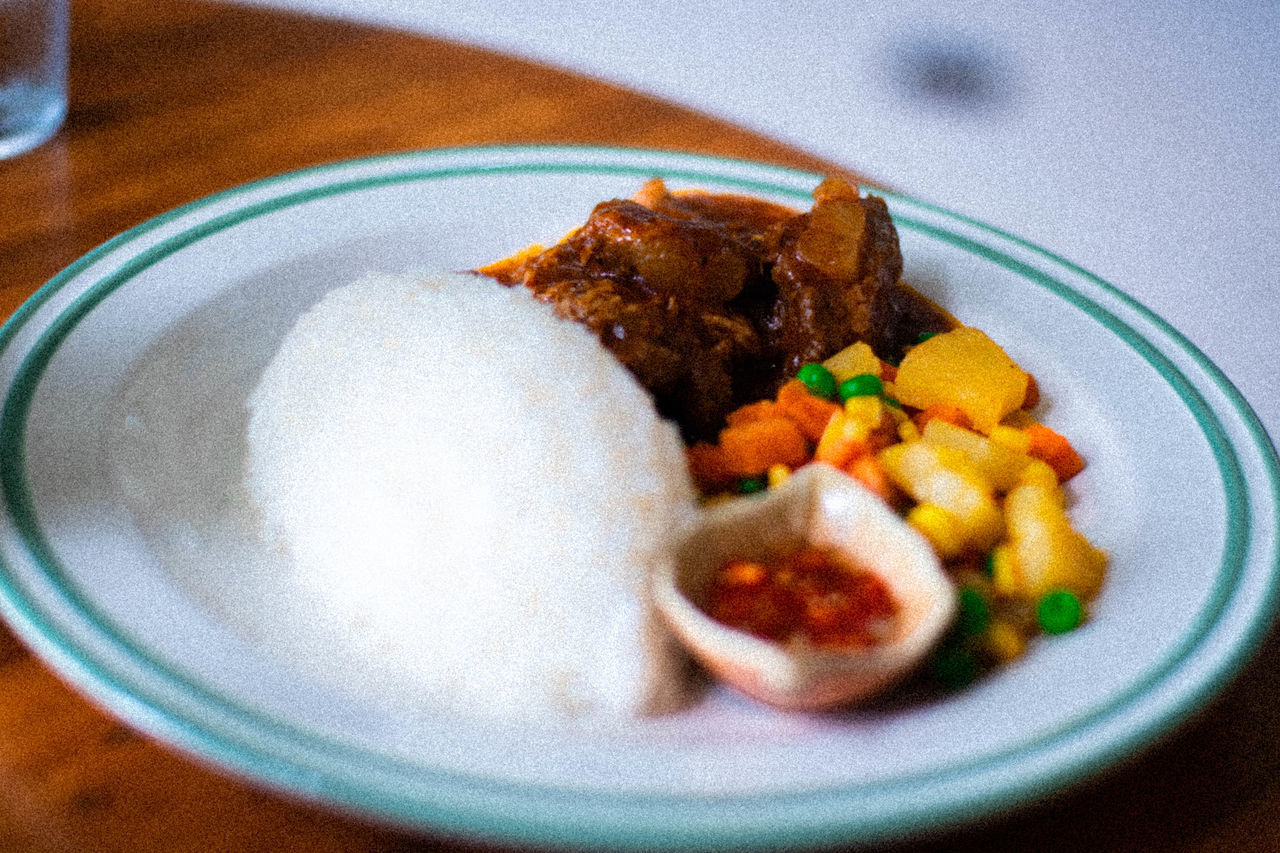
(175, 99)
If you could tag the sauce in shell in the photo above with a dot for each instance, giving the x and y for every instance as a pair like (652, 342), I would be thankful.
(811, 595)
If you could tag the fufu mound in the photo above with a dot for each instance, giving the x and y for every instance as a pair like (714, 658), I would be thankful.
(476, 491)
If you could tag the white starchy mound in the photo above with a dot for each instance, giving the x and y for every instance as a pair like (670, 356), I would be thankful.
(475, 489)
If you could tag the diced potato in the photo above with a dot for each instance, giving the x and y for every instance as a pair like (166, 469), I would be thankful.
(1039, 472)
(966, 369)
(854, 360)
(943, 530)
(1011, 437)
(944, 477)
(1047, 552)
(1000, 463)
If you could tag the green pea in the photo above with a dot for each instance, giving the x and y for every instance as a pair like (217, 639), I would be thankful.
(862, 385)
(975, 614)
(818, 380)
(751, 485)
(1059, 611)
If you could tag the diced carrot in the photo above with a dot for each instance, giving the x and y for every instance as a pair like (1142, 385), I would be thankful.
(942, 411)
(750, 448)
(757, 411)
(867, 470)
(888, 372)
(808, 411)
(1055, 449)
(709, 467)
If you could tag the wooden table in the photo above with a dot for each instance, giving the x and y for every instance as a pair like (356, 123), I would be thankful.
(175, 99)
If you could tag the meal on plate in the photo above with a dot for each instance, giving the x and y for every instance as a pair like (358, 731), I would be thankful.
(699, 426)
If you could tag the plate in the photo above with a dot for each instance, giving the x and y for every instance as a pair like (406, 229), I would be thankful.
(129, 564)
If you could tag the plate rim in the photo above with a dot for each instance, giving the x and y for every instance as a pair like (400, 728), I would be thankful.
(180, 731)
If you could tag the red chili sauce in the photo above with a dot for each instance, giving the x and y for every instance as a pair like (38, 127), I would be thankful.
(812, 595)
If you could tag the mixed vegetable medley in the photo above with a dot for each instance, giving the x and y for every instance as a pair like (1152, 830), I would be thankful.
(736, 315)
(947, 437)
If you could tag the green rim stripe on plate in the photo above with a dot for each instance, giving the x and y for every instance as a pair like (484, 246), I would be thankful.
(17, 404)
(30, 372)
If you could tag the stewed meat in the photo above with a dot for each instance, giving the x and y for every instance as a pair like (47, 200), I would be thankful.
(714, 300)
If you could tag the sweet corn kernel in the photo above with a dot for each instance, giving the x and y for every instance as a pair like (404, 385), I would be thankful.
(777, 475)
(908, 431)
(941, 528)
(1004, 641)
(1004, 572)
(864, 410)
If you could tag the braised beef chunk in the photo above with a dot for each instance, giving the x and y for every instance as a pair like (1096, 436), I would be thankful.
(687, 259)
(715, 300)
(677, 348)
(830, 268)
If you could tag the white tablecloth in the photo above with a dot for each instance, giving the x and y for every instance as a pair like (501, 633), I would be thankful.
(1139, 140)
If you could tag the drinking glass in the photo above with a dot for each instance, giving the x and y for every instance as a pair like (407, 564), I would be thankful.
(33, 72)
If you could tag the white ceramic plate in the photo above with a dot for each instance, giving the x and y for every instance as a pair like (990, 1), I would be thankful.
(124, 531)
